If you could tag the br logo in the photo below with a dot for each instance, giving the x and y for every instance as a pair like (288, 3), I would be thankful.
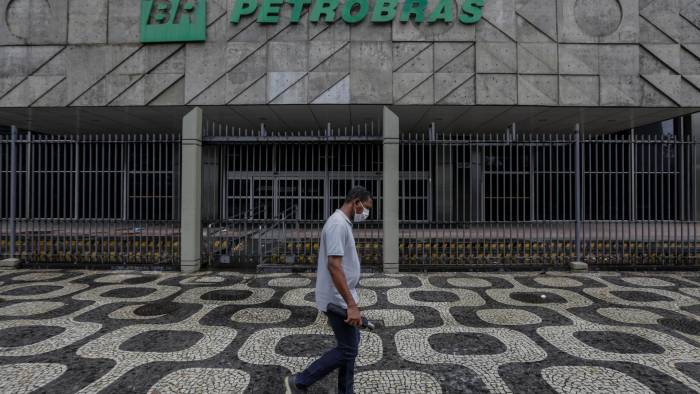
(173, 20)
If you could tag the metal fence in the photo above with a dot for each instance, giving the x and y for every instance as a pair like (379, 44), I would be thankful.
(471, 199)
(98, 199)
(267, 194)
(465, 200)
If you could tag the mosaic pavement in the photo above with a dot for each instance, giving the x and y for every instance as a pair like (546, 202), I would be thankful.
(155, 332)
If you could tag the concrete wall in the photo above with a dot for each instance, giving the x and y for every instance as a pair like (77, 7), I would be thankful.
(56, 53)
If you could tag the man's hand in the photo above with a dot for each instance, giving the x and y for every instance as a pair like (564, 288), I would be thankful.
(354, 316)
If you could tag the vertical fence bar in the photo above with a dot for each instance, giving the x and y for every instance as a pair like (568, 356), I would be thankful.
(632, 226)
(577, 162)
(607, 143)
(680, 199)
(514, 183)
(4, 238)
(619, 193)
(561, 240)
(646, 197)
(570, 174)
(13, 191)
(594, 171)
(693, 179)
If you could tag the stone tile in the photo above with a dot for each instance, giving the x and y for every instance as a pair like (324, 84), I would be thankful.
(579, 59)
(496, 89)
(620, 90)
(88, 21)
(496, 57)
(579, 90)
(537, 58)
(205, 64)
(618, 59)
(370, 72)
(538, 90)
(124, 24)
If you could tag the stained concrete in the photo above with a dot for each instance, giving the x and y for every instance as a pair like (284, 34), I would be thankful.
(56, 53)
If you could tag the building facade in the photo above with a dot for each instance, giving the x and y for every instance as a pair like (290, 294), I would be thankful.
(491, 132)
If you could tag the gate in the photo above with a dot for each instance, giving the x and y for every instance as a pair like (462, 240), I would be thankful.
(268, 194)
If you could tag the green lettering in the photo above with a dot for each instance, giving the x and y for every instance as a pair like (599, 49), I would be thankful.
(442, 11)
(415, 8)
(242, 8)
(297, 8)
(363, 9)
(471, 11)
(325, 7)
(162, 12)
(269, 11)
(384, 11)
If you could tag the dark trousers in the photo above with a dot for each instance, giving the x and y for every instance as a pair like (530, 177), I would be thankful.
(342, 357)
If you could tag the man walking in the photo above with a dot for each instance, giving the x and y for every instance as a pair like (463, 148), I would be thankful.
(336, 278)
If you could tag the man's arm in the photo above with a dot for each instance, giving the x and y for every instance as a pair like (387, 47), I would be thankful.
(335, 267)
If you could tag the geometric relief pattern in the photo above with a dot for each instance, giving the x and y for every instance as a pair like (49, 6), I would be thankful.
(436, 333)
(522, 52)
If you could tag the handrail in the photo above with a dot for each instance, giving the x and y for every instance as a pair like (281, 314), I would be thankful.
(284, 215)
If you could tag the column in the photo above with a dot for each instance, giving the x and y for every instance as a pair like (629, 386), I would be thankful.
(390, 126)
(191, 193)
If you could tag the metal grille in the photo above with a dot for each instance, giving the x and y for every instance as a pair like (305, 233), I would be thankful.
(464, 199)
(92, 198)
(469, 199)
(638, 200)
(277, 189)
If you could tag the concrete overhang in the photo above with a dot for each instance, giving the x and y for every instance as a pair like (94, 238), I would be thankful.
(471, 119)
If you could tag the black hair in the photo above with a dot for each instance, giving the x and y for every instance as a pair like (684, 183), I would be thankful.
(358, 192)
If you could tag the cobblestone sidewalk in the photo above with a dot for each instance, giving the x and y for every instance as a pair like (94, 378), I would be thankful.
(87, 331)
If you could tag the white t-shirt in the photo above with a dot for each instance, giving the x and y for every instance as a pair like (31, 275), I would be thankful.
(336, 240)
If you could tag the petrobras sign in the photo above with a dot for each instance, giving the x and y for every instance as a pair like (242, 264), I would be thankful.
(356, 11)
(173, 20)
(186, 20)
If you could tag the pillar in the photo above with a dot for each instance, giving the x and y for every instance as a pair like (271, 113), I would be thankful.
(390, 126)
(191, 194)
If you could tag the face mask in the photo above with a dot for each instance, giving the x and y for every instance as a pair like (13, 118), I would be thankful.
(362, 216)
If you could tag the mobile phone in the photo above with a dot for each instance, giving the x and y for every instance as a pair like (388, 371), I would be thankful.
(342, 312)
